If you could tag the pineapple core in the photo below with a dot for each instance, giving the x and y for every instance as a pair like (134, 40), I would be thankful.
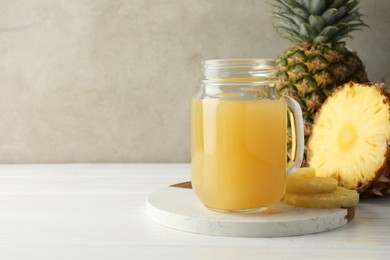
(347, 137)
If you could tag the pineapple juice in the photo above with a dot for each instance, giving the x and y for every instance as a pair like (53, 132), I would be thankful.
(239, 152)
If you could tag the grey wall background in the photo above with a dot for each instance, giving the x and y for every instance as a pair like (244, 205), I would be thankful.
(111, 81)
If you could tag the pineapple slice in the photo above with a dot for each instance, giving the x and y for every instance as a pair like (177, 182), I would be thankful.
(350, 138)
(341, 197)
(311, 185)
(304, 172)
(304, 181)
(305, 189)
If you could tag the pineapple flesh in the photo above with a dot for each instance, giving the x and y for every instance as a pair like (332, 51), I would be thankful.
(340, 198)
(350, 138)
(312, 185)
(306, 190)
(319, 61)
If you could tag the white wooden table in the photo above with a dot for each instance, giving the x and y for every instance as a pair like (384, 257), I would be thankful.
(97, 211)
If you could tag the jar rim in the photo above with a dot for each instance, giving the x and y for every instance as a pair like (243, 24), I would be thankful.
(237, 62)
(254, 69)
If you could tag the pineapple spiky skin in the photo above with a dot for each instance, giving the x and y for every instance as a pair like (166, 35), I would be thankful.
(380, 185)
(350, 139)
(309, 74)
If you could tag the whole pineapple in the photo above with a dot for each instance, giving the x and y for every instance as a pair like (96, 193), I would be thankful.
(318, 62)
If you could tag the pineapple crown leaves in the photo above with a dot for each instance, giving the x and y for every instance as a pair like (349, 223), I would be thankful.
(317, 21)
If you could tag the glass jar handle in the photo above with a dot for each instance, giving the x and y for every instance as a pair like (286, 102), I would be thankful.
(295, 115)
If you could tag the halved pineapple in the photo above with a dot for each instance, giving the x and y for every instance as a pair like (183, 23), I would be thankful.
(350, 138)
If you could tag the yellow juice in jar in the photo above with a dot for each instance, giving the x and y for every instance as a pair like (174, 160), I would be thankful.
(239, 152)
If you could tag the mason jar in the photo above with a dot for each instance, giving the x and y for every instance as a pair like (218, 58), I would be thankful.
(239, 136)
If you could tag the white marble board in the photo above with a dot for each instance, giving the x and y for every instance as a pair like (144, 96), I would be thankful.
(179, 208)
